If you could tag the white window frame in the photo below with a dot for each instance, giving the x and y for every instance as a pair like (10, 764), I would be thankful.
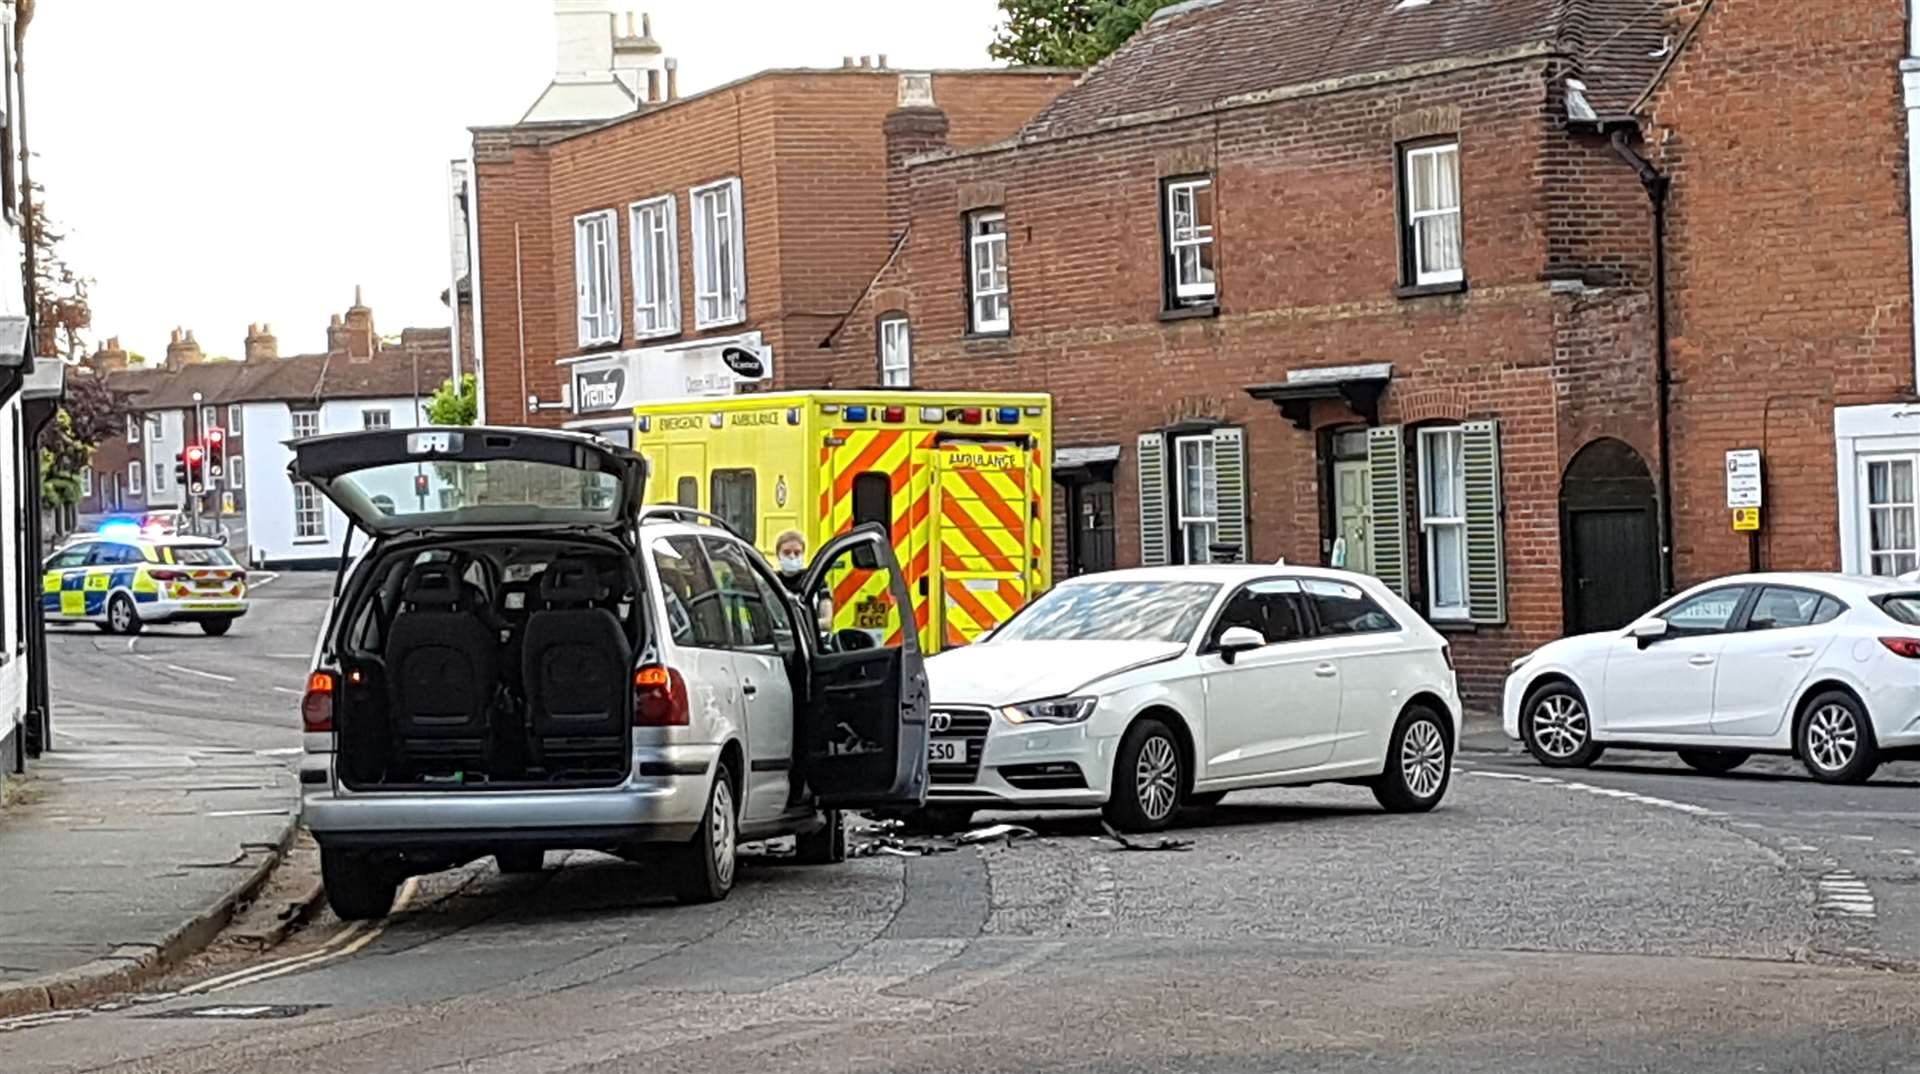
(235, 467)
(990, 301)
(1186, 515)
(295, 423)
(373, 418)
(653, 230)
(86, 482)
(160, 478)
(1415, 218)
(233, 419)
(308, 508)
(1904, 558)
(1195, 236)
(596, 277)
(156, 428)
(719, 254)
(134, 421)
(1433, 524)
(895, 337)
(136, 471)
(209, 418)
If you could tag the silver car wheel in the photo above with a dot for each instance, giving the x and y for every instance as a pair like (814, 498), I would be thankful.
(1833, 737)
(1156, 777)
(1560, 725)
(1423, 758)
(722, 823)
(120, 615)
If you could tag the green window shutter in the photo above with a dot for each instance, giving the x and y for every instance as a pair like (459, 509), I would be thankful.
(1387, 465)
(1230, 490)
(1486, 554)
(1152, 451)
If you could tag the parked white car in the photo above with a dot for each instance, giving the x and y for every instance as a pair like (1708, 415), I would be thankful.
(1825, 667)
(1137, 691)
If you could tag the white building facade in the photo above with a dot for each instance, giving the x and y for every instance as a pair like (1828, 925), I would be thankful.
(291, 524)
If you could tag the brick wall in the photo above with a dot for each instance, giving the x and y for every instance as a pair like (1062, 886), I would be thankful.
(1790, 285)
(810, 152)
(1553, 336)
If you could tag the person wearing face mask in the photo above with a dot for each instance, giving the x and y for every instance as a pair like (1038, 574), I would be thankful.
(791, 552)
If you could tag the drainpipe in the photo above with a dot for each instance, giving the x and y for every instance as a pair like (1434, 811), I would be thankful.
(1657, 187)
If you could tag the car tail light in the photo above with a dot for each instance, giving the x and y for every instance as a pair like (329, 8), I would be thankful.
(1907, 647)
(316, 709)
(1446, 653)
(659, 697)
(240, 575)
(167, 576)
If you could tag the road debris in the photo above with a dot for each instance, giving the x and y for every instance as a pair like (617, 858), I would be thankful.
(1128, 844)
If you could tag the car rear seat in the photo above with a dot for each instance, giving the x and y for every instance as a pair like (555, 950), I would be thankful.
(576, 662)
(441, 671)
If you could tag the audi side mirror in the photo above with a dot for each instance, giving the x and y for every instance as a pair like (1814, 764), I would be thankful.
(1237, 640)
(1648, 631)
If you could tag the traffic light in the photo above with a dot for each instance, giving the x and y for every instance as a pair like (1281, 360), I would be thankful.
(196, 460)
(216, 454)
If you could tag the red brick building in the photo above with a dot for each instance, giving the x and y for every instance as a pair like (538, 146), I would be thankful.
(621, 259)
(1786, 141)
(1335, 283)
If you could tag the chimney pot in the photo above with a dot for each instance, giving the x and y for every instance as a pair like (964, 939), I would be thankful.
(646, 25)
(356, 296)
(629, 24)
(846, 61)
(673, 79)
(866, 62)
(882, 61)
(653, 86)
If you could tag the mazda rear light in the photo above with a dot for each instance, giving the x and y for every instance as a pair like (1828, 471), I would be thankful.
(1907, 647)
(316, 708)
(659, 697)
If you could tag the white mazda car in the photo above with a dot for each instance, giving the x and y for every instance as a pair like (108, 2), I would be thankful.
(1825, 667)
(1137, 691)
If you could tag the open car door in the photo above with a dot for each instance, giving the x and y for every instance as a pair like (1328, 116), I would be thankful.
(863, 725)
(400, 480)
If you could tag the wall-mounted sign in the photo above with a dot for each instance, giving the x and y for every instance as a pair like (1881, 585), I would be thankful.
(599, 389)
(1746, 520)
(1743, 479)
(747, 364)
(604, 383)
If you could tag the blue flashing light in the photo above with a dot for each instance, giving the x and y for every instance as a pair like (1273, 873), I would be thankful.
(1009, 415)
(856, 413)
(120, 528)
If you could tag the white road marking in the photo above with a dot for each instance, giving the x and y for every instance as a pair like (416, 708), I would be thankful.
(247, 813)
(202, 674)
(1603, 792)
(256, 579)
(1843, 894)
(336, 948)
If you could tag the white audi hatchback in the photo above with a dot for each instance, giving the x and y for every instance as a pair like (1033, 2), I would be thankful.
(1825, 667)
(1137, 691)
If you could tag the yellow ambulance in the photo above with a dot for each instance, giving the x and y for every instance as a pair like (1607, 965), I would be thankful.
(963, 479)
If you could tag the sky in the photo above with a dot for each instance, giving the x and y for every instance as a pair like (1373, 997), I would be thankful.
(220, 162)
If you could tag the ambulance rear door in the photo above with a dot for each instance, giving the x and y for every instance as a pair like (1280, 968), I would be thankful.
(985, 526)
(874, 474)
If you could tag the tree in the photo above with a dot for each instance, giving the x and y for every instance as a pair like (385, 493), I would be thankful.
(60, 293)
(1067, 33)
(450, 407)
(89, 414)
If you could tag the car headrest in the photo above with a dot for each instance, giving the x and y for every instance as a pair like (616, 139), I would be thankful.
(433, 585)
(571, 581)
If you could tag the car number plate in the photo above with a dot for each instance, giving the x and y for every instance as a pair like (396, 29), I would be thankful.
(947, 751)
(871, 614)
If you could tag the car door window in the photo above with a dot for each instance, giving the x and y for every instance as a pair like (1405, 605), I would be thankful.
(1780, 608)
(1345, 608)
(69, 559)
(1276, 609)
(1708, 613)
(112, 555)
(753, 606)
(696, 614)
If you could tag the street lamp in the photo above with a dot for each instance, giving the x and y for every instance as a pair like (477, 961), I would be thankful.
(193, 496)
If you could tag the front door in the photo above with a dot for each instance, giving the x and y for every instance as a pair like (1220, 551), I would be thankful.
(1664, 686)
(863, 724)
(1353, 511)
(1614, 580)
(1090, 514)
(763, 640)
(1272, 709)
(981, 501)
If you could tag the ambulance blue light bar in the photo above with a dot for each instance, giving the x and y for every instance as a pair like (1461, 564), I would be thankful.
(856, 413)
(1009, 415)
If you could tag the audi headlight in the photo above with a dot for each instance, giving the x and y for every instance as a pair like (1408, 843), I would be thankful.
(1052, 710)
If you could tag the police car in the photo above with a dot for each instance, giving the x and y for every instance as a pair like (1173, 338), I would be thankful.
(121, 583)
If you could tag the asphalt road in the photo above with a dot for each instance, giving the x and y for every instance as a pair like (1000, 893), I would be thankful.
(1631, 918)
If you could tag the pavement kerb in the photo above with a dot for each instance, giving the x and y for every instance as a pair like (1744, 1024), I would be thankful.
(133, 965)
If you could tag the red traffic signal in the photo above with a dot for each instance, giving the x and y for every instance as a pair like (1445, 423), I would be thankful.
(215, 437)
(195, 453)
(419, 484)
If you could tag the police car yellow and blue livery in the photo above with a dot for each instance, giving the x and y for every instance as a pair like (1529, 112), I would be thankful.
(123, 583)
